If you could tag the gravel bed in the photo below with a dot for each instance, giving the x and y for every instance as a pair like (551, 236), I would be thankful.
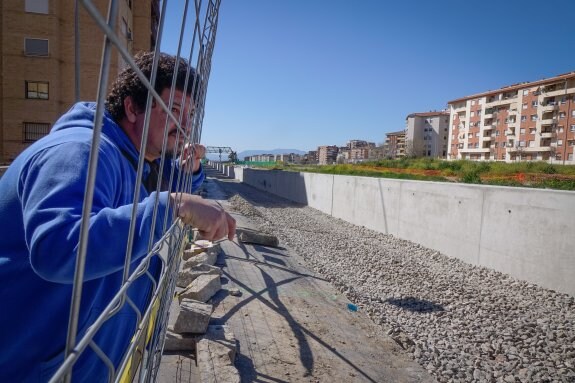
(462, 323)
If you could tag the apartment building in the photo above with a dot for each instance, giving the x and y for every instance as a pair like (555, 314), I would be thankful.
(37, 70)
(426, 134)
(356, 144)
(526, 121)
(395, 144)
(311, 157)
(327, 154)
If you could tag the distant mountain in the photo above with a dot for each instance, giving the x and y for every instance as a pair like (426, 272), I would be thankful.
(246, 153)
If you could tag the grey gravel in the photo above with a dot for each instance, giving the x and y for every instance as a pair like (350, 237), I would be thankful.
(462, 323)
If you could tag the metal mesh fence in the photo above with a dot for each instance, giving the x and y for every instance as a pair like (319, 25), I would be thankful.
(142, 357)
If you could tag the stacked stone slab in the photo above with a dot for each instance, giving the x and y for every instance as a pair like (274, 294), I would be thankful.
(201, 281)
(193, 317)
(202, 288)
(188, 275)
(215, 346)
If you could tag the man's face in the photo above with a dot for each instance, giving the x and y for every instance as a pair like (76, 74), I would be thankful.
(158, 118)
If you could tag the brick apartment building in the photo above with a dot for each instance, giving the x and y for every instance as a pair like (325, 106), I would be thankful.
(526, 121)
(37, 69)
(327, 154)
(394, 145)
(426, 134)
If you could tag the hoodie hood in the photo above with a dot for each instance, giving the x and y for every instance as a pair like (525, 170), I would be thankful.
(82, 115)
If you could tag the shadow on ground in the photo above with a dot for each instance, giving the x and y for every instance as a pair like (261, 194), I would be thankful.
(415, 305)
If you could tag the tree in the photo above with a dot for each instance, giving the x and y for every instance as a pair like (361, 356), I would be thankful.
(414, 150)
(233, 157)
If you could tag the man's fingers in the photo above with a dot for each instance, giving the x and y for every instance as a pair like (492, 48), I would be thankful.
(231, 222)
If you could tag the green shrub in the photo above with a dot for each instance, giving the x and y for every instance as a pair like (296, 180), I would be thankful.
(471, 177)
(549, 169)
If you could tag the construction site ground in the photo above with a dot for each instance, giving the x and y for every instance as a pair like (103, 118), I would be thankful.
(290, 324)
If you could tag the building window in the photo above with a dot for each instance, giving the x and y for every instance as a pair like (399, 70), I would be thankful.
(38, 90)
(532, 131)
(533, 117)
(524, 106)
(534, 103)
(531, 144)
(570, 156)
(525, 93)
(560, 129)
(559, 142)
(523, 118)
(36, 47)
(558, 157)
(573, 113)
(33, 131)
(36, 6)
(561, 115)
(572, 128)
(522, 131)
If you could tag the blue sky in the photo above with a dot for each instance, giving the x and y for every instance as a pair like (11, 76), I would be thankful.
(302, 73)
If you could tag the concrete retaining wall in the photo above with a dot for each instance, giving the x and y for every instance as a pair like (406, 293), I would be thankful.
(526, 233)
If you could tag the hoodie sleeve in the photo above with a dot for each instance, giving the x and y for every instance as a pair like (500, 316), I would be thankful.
(52, 188)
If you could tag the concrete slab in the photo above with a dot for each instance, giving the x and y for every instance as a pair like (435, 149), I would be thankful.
(205, 258)
(188, 275)
(216, 356)
(202, 288)
(193, 317)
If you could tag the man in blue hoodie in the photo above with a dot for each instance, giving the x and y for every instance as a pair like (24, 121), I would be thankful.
(41, 198)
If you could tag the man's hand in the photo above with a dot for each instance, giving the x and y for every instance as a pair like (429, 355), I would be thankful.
(209, 218)
(191, 157)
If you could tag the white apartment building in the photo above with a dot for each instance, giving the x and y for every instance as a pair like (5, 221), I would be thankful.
(526, 121)
(426, 134)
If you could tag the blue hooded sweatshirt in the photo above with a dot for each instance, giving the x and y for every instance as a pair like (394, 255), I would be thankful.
(41, 197)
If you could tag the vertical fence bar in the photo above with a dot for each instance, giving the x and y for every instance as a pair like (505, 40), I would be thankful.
(89, 194)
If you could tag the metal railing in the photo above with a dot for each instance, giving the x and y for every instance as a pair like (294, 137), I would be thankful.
(141, 360)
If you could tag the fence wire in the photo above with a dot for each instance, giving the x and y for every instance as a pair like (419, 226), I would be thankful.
(142, 359)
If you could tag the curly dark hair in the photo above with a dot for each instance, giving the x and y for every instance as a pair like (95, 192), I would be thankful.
(129, 84)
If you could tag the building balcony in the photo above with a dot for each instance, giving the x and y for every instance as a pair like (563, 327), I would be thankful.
(511, 124)
(548, 108)
(475, 150)
(487, 138)
(512, 112)
(488, 127)
(547, 135)
(531, 149)
(503, 101)
(488, 115)
(548, 121)
(559, 92)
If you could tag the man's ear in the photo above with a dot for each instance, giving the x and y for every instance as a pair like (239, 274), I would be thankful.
(130, 109)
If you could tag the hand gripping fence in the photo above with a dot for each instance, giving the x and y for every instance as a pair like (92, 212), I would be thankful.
(142, 358)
